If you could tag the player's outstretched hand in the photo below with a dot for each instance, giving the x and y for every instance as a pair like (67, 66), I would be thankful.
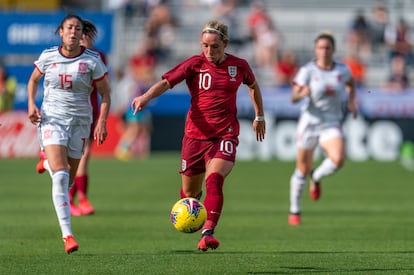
(259, 128)
(138, 103)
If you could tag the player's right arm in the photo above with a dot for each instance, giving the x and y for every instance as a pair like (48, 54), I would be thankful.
(32, 110)
(139, 102)
(300, 84)
(299, 92)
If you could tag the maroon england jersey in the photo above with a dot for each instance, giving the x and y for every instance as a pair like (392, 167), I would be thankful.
(213, 89)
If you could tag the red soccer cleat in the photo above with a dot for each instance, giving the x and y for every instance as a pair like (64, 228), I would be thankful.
(40, 168)
(294, 219)
(208, 241)
(315, 190)
(85, 207)
(74, 210)
(70, 244)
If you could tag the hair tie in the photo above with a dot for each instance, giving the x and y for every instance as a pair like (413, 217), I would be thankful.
(210, 29)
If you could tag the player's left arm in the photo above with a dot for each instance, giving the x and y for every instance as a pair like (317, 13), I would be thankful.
(259, 124)
(104, 89)
(352, 104)
(32, 111)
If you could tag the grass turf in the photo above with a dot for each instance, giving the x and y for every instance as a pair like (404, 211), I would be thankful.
(363, 223)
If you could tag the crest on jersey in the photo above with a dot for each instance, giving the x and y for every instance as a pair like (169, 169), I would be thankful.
(83, 67)
(232, 72)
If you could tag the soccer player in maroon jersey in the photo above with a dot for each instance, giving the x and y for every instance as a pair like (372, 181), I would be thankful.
(212, 128)
(80, 184)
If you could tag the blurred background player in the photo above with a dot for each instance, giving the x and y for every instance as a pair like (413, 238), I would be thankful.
(81, 182)
(66, 114)
(135, 140)
(323, 82)
(212, 128)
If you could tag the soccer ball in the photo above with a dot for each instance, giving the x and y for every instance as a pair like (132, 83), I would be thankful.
(188, 215)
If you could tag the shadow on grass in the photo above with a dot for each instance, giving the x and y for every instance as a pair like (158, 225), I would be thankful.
(285, 269)
(289, 252)
(306, 270)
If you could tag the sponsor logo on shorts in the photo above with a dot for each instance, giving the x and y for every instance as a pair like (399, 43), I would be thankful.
(183, 164)
(47, 134)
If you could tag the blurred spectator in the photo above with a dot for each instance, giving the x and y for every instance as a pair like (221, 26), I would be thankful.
(142, 63)
(8, 86)
(266, 39)
(357, 68)
(122, 83)
(398, 41)
(257, 16)
(378, 24)
(225, 11)
(286, 68)
(398, 79)
(160, 28)
(127, 7)
(358, 36)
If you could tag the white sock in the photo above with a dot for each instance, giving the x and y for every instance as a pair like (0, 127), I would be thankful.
(297, 182)
(326, 168)
(60, 197)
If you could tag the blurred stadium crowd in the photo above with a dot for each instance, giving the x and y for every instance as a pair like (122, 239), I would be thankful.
(374, 37)
(275, 36)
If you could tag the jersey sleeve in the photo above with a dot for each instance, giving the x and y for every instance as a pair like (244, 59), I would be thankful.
(302, 77)
(249, 77)
(100, 70)
(40, 63)
(179, 72)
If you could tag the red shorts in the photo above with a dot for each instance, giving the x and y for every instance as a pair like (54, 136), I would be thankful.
(196, 153)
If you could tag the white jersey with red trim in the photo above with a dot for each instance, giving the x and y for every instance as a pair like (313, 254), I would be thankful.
(68, 85)
(327, 90)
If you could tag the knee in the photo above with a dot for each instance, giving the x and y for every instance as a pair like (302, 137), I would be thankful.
(338, 160)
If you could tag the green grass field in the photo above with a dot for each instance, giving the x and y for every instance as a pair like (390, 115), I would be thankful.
(363, 224)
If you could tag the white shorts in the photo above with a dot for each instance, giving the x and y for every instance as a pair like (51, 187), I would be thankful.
(310, 135)
(73, 137)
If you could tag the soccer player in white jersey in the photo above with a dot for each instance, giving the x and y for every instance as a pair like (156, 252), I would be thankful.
(324, 83)
(64, 119)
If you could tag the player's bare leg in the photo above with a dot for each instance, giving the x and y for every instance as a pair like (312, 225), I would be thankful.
(335, 152)
(191, 186)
